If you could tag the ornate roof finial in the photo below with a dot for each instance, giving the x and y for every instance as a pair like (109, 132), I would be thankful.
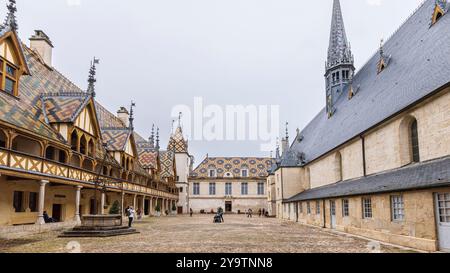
(157, 139)
(180, 115)
(11, 17)
(152, 137)
(381, 47)
(131, 118)
(287, 131)
(91, 79)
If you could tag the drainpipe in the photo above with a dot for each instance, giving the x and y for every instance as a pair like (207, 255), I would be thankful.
(363, 143)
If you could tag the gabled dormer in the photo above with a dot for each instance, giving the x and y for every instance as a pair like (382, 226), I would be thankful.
(440, 9)
(13, 63)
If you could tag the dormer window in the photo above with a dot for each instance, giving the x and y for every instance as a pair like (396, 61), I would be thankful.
(439, 11)
(8, 77)
(244, 173)
(212, 173)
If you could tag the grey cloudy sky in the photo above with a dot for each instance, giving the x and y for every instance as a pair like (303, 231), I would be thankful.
(161, 53)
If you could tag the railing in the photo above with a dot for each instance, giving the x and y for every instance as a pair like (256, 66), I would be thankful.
(31, 163)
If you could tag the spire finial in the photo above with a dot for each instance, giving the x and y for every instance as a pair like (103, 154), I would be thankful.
(11, 17)
(381, 47)
(180, 115)
(152, 137)
(157, 139)
(91, 79)
(131, 118)
(287, 130)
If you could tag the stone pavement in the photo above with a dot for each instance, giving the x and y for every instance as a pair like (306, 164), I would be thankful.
(199, 234)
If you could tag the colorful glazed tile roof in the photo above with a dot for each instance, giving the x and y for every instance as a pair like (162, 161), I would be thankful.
(177, 142)
(231, 167)
(167, 164)
(115, 138)
(106, 119)
(63, 107)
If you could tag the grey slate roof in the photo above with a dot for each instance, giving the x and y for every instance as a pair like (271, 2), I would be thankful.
(419, 65)
(430, 174)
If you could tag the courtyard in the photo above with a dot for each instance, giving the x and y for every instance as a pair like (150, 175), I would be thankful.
(183, 234)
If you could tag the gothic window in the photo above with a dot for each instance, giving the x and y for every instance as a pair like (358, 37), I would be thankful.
(83, 144)
(415, 142)
(308, 208)
(318, 207)
(74, 141)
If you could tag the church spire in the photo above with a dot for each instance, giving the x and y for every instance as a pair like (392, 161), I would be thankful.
(157, 139)
(339, 49)
(339, 68)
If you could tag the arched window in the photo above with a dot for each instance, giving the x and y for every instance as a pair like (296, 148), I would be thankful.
(26, 145)
(415, 152)
(91, 148)
(2, 139)
(74, 141)
(83, 145)
(338, 162)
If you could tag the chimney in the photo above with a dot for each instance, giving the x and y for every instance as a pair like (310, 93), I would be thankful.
(41, 43)
(124, 116)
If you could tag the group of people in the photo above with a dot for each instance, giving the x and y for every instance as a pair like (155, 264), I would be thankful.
(261, 212)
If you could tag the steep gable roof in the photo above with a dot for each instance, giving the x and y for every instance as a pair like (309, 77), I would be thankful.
(419, 65)
(256, 166)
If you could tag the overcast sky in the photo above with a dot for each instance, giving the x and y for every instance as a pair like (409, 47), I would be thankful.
(161, 53)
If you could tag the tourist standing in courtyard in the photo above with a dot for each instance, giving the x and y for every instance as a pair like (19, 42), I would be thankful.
(191, 212)
(130, 213)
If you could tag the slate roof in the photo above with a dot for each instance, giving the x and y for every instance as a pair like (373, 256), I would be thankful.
(257, 166)
(419, 65)
(148, 155)
(430, 174)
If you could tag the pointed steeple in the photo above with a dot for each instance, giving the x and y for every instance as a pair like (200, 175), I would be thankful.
(91, 79)
(157, 139)
(131, 119)
(339, 67)
(152, 137)
(339, 49)
(11, 20)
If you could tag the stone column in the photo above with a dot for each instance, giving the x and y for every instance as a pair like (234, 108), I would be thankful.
(77, 204)
(102, 204)
(150, 206)
(40, 220)
(143, 205)
(134, 201)
(122, 209)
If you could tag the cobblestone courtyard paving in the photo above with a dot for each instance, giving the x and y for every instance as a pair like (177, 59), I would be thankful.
(199, 234)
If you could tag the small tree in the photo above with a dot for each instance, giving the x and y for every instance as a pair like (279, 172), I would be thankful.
(174, 207)
(115, 208)
(158, 208)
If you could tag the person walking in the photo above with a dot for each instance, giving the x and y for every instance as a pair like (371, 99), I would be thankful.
(249, 213)
(130, 213)
(191, 212)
